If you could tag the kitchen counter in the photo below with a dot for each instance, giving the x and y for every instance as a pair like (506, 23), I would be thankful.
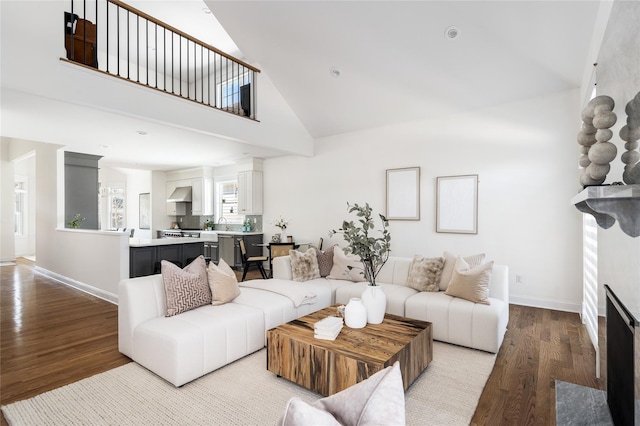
(143, 242)
(238, 233)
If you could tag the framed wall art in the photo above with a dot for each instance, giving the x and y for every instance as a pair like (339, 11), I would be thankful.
(145, 205)
(403, 194)
(457, 204)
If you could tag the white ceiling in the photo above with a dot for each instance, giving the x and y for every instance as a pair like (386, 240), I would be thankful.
(396, 65)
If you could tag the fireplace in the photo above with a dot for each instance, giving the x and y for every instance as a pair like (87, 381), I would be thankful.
(623, 362)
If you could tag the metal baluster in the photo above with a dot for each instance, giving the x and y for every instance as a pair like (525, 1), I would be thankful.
(138, 48)
(107, 13)
(128, 46)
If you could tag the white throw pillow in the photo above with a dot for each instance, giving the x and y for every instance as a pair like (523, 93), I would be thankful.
(223, 283)
(341, 262)
(470, 283)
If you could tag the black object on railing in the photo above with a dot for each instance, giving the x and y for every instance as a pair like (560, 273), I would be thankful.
(110, 35)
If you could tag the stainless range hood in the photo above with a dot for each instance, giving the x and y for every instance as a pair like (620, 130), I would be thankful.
(181, 194)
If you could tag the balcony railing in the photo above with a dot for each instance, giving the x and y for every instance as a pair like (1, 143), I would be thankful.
(117, 39)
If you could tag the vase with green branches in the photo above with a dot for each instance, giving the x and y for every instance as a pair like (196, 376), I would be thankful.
(363, 242)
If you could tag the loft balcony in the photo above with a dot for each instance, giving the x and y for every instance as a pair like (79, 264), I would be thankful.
(117, 39)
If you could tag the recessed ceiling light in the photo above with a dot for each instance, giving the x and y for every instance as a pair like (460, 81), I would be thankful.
(335, 71)
(206, 10)
(452, 32)
(104, 146)
(141, 132)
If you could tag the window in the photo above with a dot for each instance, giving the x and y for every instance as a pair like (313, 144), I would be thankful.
(227, 202)
(229, 91)
(20, 206)
(115, 208)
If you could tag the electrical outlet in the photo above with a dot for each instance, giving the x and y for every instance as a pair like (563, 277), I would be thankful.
(518, 279)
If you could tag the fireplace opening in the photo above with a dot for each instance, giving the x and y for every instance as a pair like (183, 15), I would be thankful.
(622, 377)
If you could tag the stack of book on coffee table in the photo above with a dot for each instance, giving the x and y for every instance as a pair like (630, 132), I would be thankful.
(327, 328)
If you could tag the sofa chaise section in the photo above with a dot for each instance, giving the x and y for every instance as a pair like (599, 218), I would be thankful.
(183, 347)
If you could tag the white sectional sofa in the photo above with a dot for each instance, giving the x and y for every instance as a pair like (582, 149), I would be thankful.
(454, 320)
(184, 347)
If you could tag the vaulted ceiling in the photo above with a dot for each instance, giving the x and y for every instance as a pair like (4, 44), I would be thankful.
(396, 61)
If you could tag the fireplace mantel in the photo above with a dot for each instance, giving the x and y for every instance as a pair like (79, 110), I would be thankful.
(611, 203)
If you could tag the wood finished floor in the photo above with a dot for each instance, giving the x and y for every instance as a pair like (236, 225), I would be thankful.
(52, 335)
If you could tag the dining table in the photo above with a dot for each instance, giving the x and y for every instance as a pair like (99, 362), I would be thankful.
(268, 245)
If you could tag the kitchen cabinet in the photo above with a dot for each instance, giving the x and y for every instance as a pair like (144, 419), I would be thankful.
(144, 260)
(190, 252)
(250, 192)
(202, 197)
(175, 209)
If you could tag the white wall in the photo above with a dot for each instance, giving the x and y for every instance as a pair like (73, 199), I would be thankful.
(525, 156)
(92, 260)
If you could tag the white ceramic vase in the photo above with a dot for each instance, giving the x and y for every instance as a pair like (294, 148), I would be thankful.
(355, 314)
(375, 302)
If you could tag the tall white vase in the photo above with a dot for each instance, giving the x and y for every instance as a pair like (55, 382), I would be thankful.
(375, 301)
(355, 314)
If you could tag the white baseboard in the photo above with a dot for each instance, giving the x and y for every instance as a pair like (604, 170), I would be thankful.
(546, 303)
(94, 291)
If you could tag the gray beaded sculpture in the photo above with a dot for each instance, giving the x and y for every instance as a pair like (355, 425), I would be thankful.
(597, 152)
(630, 133)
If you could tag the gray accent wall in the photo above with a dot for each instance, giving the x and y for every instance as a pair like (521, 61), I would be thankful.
(81, 189)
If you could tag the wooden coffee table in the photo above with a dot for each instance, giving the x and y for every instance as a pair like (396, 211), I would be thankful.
(329, 366)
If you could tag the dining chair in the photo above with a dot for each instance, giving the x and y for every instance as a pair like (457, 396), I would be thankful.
(277, 250)
(281, 249)
(320, 243)
(247, 261)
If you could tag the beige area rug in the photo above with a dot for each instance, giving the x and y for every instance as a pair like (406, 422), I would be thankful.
(243, 393)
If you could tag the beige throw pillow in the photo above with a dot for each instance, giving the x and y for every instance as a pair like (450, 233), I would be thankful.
(470, 283)
(378, 400)
(424, 273)
(304, 266)
(186, 288)
(450, 262)
(341, 263)
(223, 283)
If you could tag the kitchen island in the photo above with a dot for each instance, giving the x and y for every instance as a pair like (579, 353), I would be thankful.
(145, 254)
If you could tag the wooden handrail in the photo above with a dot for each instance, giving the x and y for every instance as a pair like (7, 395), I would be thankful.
(181, 33)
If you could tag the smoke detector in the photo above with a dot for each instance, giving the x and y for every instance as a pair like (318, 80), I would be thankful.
(452, 32)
